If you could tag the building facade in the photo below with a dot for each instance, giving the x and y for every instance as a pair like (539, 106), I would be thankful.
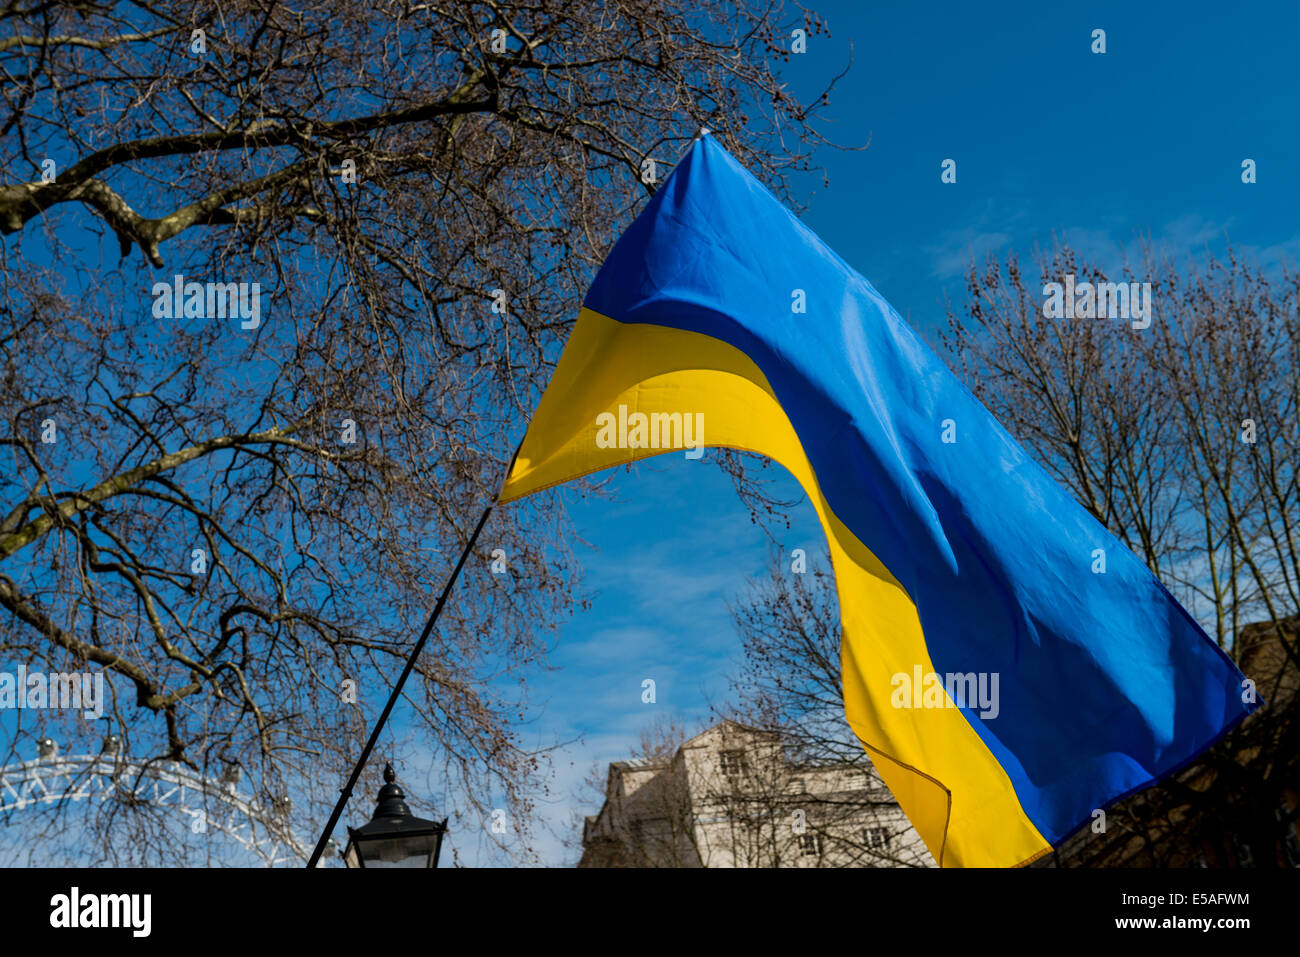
(729, 797)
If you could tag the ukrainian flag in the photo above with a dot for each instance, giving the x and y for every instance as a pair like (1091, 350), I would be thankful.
(955, 554)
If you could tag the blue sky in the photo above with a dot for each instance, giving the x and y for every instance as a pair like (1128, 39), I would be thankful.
(1049, 139)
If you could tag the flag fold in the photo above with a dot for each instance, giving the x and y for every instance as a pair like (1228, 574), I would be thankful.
(1008, 664)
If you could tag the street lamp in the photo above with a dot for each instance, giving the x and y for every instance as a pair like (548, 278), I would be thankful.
(394, 838)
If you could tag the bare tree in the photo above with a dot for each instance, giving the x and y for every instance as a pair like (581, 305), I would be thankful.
(652, 824)
(1180, 436)
(789, 684)
(234, 500)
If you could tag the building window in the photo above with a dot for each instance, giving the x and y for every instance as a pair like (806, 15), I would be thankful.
(733, 763)
(876, 837)
(810, 845)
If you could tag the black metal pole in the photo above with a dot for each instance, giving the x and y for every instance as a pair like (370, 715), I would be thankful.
(346, 791)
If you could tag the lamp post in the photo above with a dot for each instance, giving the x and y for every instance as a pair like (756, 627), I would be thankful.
(394, 837)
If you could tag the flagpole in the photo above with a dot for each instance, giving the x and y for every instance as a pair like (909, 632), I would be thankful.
(346, 791)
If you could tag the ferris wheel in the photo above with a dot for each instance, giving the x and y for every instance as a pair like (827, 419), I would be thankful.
(216, 804)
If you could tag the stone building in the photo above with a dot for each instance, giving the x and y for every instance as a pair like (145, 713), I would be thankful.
(729, 797)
